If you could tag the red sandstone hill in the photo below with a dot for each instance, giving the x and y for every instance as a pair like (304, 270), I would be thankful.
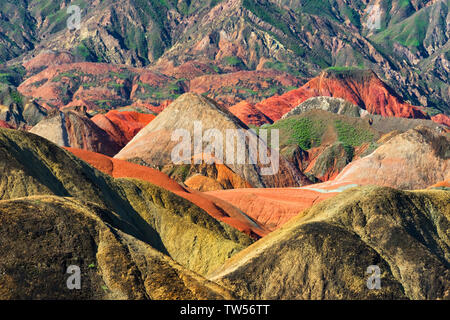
(252, 86)
(415, 159)
(136, 105)
(100, 83)
(188, 70)
(360, 87)
(248, 114)
(442, 119)
(77, 130)
(277, 106)
(46, 59)
(217, 208)
(122, 126)
(272, 207)
(153, 145)
(365, 89)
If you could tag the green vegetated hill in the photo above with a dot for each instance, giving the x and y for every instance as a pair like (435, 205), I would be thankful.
(323, 135)
(310, 129)
(325, 252)
(32, 166)
(334, 136)
(421, 40)
(141, 29)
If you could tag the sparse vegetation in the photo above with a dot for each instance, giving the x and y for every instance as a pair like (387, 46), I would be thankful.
(352, 135)
(170, 92)
(234, 62)
(303, 132)
(12, 75)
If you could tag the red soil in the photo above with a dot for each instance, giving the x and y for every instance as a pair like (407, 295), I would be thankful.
(4, 124)
(442, 119)
(46, 85)
(272, 207)
(248, 114)
(217, 208)
(441, 184)
(277, 106)
(47, 59)
(156, 109)
(122, 126)
(366, 91)
(188, 70)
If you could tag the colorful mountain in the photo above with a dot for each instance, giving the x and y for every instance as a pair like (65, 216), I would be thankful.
(327, 250)
(77, 130)
(360, 87)
(153, 145)
(415, 159)
(321, 143)
(249, 114)
(103, 85)
(17, 110)
(116, 145)
(122, 126)
(217, 208)
(33, 166)
(365, 89)
(273, 207)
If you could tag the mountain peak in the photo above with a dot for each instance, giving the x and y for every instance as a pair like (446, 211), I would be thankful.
(195, 114)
